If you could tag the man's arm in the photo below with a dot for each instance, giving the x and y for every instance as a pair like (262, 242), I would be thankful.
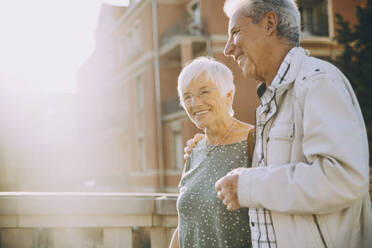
(191, 143)
(336, 149)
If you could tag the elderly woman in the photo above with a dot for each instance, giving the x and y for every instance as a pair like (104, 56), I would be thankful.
(206, 92)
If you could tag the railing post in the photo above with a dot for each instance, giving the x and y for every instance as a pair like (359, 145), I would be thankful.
(158, 237)
(68, 237)
(117, 237)
(16, 238)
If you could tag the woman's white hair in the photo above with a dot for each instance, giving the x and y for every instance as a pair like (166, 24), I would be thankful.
(286, 11)
(214, 71)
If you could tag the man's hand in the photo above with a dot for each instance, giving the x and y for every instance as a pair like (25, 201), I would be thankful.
(191, 143)
(227, 189)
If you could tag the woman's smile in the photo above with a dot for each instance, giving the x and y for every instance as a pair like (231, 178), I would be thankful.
(201, 112)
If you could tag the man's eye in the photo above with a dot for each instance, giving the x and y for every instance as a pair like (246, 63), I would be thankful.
(205, 92)
(187, 97)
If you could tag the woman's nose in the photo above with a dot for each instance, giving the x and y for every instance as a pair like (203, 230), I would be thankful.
(196, 100)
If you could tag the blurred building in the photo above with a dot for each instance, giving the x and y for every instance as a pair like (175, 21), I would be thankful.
(132, 127)
(38, 140)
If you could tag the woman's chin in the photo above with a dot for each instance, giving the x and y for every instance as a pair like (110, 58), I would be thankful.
(200, 123)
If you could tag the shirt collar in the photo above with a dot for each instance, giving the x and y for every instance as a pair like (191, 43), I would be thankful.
(283, 69)
(279, 77)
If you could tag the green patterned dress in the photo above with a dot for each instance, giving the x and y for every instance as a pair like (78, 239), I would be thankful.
(203, 220)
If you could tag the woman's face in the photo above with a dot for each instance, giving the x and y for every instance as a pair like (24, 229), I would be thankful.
(203, 102)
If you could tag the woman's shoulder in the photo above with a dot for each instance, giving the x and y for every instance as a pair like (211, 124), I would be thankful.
(240, 132)
(243, 129)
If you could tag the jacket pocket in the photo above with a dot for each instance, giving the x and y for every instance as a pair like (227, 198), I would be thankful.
(279, 144)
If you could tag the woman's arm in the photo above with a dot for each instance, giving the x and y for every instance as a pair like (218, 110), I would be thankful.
(174, 241)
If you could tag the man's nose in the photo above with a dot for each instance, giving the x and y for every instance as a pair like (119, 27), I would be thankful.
(229, 48)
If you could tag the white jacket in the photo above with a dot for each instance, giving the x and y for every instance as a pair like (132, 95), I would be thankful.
(316, 150)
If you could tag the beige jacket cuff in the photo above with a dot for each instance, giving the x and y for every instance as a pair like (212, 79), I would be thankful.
(247, 186)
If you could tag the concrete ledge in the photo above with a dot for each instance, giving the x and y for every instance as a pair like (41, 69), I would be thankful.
(8, 205)
(42, 221)
(33, 219)
(43, 210)
(166, 205)
(8, 221)
(30, 203)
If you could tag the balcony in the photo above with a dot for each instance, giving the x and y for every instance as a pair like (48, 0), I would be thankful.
(184, 26)
(314, 18)
(85, 219)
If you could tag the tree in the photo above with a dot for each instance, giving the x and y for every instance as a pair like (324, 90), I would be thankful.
(356, 59)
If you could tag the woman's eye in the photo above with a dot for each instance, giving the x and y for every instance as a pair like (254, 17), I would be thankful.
(205, 92)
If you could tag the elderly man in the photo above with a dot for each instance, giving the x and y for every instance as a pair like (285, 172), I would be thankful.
(308, 185)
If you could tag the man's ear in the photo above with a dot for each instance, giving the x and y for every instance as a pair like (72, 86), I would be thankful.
(270, 22)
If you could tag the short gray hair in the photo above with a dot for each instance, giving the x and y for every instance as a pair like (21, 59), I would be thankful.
(214, 71)
(286, 11)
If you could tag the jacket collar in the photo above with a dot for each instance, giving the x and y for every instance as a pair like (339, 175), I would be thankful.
(293, 71)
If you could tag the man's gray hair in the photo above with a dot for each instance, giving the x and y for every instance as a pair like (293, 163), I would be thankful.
(286, 11)
(214, 71)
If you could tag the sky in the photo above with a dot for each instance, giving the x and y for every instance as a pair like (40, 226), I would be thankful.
(44, 42)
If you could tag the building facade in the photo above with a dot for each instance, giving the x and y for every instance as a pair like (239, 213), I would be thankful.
(132, 126)
(39, 149)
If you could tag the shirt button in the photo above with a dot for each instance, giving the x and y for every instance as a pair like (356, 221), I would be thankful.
(252, 223)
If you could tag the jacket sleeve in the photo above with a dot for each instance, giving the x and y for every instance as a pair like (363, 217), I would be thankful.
(335, 149)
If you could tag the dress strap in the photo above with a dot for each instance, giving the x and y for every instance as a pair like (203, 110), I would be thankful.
(250, 145)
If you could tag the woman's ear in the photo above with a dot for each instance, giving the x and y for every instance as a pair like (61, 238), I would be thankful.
(229, 97)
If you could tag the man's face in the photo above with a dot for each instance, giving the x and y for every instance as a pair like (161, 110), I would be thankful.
(246, 45)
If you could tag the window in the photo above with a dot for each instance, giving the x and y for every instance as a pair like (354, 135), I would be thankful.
(314, 17)
(176, 145)
(141, 153)
(140, 106)
(123, 100)
(194, 11)
(130, 43)
(132, 2)
(136, 37)
(140, 99)
(124, 48)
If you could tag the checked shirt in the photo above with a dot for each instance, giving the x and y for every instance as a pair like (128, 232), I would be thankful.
(262, 230)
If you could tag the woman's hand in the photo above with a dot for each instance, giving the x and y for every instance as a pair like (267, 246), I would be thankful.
(191, 143)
